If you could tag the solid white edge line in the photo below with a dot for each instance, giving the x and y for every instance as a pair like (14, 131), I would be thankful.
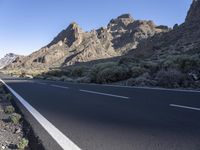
(185, 107)
(58, 86)
(105, 94)
(56, 134)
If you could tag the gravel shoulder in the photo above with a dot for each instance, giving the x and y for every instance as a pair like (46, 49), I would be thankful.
(12, 135)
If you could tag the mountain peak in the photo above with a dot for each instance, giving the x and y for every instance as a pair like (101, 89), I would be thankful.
(68, 36)
(194, 12)
(73, 25)
(125, 16)
(123, 20)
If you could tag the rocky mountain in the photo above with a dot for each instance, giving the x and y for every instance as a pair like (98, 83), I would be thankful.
(7, 59)
(73, 45)
(193, 14)
(184, 38)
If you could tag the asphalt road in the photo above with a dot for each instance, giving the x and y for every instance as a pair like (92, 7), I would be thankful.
(97, 117)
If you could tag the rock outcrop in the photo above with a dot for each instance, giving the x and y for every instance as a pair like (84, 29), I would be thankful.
(127, 32)
(69, 36)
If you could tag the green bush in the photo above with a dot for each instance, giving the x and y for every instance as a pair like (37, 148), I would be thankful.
(109, 72)
(114, 74)
(128, 61)
(96, 69)
(67, 79)
(74, 71)
(15, 118)
(152, 66)
(143, 80)
(22, 144)
(79, 71)
(137, 71)
(185, 63)
(170, 78)
(9, 109)
(55, 73)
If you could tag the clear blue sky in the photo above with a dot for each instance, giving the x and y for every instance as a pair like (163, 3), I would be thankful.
(27, 25)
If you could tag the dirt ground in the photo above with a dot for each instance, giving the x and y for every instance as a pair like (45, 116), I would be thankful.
(10, 133)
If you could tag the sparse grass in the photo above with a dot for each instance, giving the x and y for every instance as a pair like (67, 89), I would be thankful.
(22, 144)
(15, 118)
(9, 109)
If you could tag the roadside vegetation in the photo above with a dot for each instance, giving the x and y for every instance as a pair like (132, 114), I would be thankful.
(11, 124)
(9, 109)
(178, 71)
(28, 73)
(15, 132)
(23, 143)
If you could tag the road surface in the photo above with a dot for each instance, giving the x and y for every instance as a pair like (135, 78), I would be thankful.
(97, 117)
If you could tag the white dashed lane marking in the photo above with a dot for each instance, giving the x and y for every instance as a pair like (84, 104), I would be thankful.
(184, 107)
(105, 94)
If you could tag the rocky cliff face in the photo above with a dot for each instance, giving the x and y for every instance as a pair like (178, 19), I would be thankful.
(184, 38)
(73, 45)
(7, 59)
(193, 15)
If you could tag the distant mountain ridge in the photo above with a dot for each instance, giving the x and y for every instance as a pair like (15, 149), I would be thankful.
(7, 59)
(73, 45)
